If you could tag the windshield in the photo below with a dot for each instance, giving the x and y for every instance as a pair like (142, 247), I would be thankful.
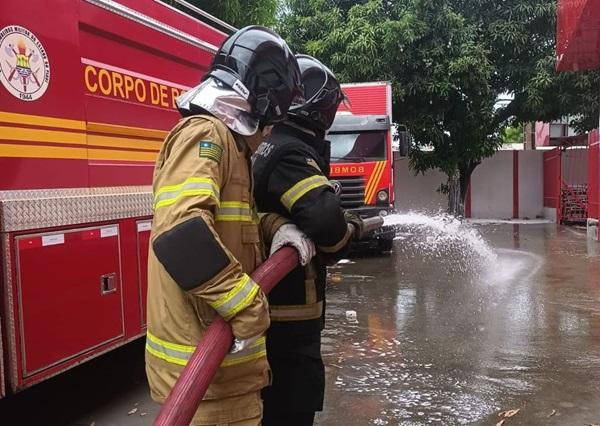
(365, 146)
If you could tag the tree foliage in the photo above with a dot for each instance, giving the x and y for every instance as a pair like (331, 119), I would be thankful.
(512, 135)
(238, 13)
(448, 61)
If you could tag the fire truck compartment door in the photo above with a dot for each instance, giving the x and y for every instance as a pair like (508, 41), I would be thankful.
(70, 296)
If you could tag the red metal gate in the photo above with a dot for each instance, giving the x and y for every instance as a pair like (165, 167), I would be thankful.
(552, 171)
(569, 183)
(574, 185)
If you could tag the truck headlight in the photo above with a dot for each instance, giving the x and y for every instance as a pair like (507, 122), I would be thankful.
(382, 196)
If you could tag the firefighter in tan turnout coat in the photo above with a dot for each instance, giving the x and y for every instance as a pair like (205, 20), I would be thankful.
(205, 238)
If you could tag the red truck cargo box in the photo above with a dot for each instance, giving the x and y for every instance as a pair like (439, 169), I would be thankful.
(83, 115)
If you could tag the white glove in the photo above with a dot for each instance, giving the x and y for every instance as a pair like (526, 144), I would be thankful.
(240, 345)
(290, 235)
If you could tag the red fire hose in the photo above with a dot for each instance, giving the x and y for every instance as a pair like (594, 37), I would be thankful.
(186, 395)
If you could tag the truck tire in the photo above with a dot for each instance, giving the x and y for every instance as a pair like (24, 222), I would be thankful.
(385, 245)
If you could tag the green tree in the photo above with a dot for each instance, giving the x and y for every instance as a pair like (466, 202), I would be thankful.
(237, 12)
(449, 61)
(512, 134)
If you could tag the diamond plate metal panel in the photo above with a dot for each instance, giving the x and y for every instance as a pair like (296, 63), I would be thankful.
(9, 318)
(45, 208)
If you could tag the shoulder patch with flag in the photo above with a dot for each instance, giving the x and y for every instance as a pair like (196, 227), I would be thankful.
(211, 151)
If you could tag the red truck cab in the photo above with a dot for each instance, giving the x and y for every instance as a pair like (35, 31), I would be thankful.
(362, 157)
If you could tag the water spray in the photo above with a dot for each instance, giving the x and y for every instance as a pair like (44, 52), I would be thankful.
(443, 231)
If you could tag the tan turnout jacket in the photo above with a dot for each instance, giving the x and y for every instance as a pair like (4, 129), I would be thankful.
(202, 171)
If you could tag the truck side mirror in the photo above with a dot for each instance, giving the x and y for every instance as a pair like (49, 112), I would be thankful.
(404, 139)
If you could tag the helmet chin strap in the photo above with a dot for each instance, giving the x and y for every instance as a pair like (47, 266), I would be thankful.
(262, 105)
(305, 125)
(269, 100)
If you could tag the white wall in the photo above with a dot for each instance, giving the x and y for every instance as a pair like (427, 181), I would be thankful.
(531, 184)
(418, 192)
(492, 187)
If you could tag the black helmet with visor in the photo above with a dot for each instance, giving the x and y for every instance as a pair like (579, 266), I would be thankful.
(322, 92)
(258, 64)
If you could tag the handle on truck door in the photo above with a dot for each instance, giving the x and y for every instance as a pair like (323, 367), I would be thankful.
(108, 283)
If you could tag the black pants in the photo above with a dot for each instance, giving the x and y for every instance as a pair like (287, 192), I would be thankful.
(298, 387)
(288, 419)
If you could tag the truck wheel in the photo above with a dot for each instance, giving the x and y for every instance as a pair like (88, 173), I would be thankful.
(385, 245)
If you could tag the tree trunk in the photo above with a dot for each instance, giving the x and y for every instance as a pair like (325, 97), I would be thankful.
(456, 202)
(458, 186)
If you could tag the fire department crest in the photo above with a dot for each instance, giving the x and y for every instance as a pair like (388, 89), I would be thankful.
(24, 65)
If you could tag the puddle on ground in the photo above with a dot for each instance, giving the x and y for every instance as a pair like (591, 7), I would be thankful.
(441, 339)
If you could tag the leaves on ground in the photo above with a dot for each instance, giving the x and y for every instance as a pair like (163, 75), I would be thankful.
(335, 278)
(509, 413)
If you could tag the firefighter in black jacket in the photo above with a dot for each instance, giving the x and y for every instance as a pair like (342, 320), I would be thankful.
(291, 170)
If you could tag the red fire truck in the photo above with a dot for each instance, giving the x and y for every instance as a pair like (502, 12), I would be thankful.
(86, 97)
(361, 154)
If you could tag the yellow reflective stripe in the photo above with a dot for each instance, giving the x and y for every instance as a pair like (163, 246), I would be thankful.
(371, 181)
(257, 350)
(181, 354)
(167, 351)
(374, 181)
(169, 194)
(340, 244)
(165, 357)
(289, 198)
(233, 218)
(239, 204)
(237, 299)
(296, 312)
(234, 211)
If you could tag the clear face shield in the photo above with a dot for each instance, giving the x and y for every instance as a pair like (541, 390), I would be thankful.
(222, 102)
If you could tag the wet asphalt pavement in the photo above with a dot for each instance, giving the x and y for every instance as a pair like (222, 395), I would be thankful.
(445, 340)
(445, 334)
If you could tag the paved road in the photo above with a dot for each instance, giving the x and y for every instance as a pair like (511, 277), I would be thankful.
(449, 334)
(449, 331)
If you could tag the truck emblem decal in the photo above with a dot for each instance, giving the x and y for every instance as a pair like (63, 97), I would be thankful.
(337, 186)
(24, 65)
